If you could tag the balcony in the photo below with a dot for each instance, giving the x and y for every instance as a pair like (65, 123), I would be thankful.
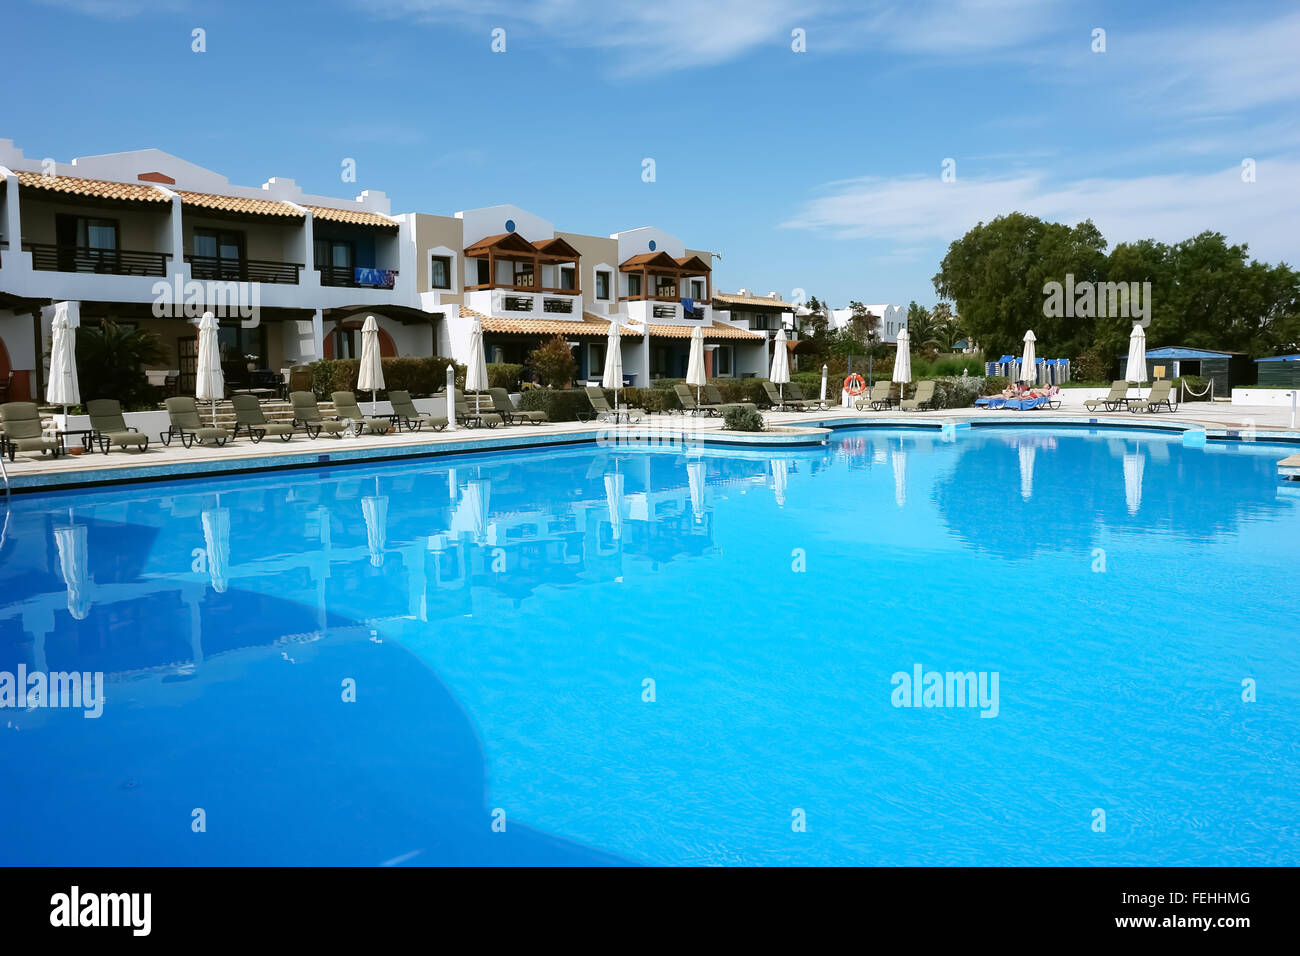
(355, 278)
(214, 268)
(51, 257)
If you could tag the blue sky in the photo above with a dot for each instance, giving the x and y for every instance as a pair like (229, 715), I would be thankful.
(817, 171)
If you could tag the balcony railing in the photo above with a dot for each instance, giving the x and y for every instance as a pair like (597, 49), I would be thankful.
(354, 278)
(218, 269)
(51, 257)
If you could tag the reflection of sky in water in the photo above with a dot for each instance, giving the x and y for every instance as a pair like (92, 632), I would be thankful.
(500, 614)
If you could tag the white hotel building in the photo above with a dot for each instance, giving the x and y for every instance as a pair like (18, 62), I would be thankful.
(117, 233)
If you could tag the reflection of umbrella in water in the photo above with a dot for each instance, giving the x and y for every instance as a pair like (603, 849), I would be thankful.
(779, 479)
(614, 498)
(374, 508)
(695, 477)
(1134, 464)
(899, 459)
(71, 542)
(471, 514)
(1026, 450)
(216, 539)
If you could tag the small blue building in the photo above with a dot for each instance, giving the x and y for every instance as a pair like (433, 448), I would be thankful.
(1280, 371)
(1225, 369)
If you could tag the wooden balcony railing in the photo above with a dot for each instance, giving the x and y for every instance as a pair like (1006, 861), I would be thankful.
(214, 268)
(51, 257)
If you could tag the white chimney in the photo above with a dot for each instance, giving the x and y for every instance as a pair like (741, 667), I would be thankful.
(743, 292)
(774, 295)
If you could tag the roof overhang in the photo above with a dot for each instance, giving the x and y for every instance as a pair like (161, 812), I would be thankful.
(504, 243)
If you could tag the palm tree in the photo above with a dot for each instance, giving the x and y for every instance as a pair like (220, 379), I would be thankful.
(921, 328)
(111, 359)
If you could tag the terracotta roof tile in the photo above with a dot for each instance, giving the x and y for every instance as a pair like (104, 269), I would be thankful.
(355, 217)
(588, 325)
(717, 331)
(93, 188)
(238, 204)
(757, 300)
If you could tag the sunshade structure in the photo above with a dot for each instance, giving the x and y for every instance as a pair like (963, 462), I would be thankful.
(695, 365)
(1136, 369)
(71, 544)
(613, 375)
(374, 509)
(476, 379)
(63, 388)
(780, 479)
(1026, 451)
(371, 376)
(898, 458)
(1029, 361)
(695, 480)
(209, 383)
(216, 541)
(1134, 464)
(780, 374)
(614, 498)
(903, 358)
(825, 369)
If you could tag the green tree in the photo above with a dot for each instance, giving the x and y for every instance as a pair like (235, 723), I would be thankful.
(111, 360)
(996, 272)
(947, 329)
(921, 329)
(554, 363)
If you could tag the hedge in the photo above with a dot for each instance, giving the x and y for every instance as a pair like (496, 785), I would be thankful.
(505, 375)
(419, 376)
(560, 404)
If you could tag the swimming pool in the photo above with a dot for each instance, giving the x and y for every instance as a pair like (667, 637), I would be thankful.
(658, 655)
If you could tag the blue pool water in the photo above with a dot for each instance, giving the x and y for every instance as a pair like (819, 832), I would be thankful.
(499, 617)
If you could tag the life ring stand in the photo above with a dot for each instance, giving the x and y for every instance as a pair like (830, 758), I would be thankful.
(854, 384)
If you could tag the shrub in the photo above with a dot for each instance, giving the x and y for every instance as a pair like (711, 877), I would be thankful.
(1091, 366)
(995, 384)
(956, 391)
(110, 363)
(562, 405)
(505, 375)
(554, 363)
(1196, 384)
(419, 376)
(742, 420)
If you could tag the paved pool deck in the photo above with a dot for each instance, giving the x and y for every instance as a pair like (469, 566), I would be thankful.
(1218, 421)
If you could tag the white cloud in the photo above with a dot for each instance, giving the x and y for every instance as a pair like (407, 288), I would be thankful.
(909, 211)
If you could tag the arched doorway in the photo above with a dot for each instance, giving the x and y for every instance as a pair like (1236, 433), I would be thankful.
(344, 341)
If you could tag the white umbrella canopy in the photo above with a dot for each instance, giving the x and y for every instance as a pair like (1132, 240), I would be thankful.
(903, 358)
(209, 383)
(471, 514)
(1134, 464)
(695, 366)
(71, 542)
(63, 388)
(1026, 451)
(780, 373)
(614, 498)
(1136, 369)
(613, 374)
(374, 509)
(1029, 361)
(216, 540)
(476, 378)
(371, 376)
(780, 479)
(898, 458)
(695, 479)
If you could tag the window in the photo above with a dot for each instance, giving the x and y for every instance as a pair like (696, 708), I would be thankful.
(440, 272)
(697, 289)
(218, 254)
(722, 361)
(633, 285)
(484, 276)
(602, 285)
(85, 244)
(567, 278)
(333, 253)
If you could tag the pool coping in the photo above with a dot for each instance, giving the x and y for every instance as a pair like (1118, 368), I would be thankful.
(804, 433)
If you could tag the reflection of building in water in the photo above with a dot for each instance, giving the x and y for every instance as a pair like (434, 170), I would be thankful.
(136, 582)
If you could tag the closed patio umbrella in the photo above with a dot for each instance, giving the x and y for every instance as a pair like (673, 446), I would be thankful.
(1028, 366)
(614, 498)
(1134, 464)
(374, 509)
(63, 388)
(476, 378)
(695, 367)
(898, 458)
(613, 375)
(371, 376)
(1136, 369)
(780, 373)
(209, 383)
(695, 479)
(71, 543)
(216, 540)
(1026, 451)
(903, 358)
(471, 514)
(780, 478)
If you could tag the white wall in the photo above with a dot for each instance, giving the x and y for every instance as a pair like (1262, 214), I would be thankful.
(491, 221)
(633, 242)
(1262, 396)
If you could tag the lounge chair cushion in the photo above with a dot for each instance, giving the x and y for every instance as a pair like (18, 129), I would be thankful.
(122, 439)
(210, 434)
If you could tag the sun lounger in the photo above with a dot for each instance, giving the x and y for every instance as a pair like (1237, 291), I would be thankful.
(306, 413)
(109, 428)
(796, 394)
(782, 401)
(23, 432)
(250, 417)
(1161, 394)
(879, 398)
(476, 415)
(686, 398)
(924, 397)
(1026, 404)
(1113, 400)
(406, 415)
(345, 403)
(507, 409)
(713, 399)
(183, 413)
(990, 401)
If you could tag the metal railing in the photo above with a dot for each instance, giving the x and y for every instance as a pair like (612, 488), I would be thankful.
(52, 257)
(243, 270)
(347, 277)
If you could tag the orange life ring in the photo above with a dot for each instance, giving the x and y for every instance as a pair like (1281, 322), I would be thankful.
(854, 384)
